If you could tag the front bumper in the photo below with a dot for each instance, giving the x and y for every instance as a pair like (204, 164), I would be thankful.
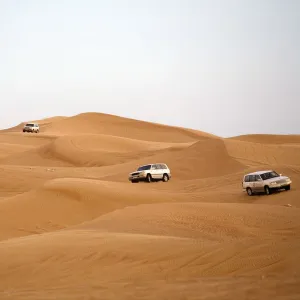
(27, 130)
(140, 176)
(280, 185)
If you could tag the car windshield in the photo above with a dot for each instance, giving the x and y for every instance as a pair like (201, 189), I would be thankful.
(143, 168)
(269, 175)
(29, 125)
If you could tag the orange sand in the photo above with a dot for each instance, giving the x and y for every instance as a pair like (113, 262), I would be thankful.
(73, 227)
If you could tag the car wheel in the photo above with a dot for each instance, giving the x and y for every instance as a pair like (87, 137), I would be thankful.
(287, 188)
(148, 178)
(165, 178)
(267, 190)
(249, 192)
(134, 181)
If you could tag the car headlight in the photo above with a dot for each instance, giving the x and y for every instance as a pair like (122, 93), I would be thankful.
(273, 183)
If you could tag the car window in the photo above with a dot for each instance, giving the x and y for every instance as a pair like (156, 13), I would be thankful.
(247, 178)
(143, 168)
(252, 178)
(269, 175)
(257, 178)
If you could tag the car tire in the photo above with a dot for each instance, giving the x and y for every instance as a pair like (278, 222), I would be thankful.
(249, 191)
(149, 178)
(287, 188)
(134, 181)
(267, 190)
(165, 178)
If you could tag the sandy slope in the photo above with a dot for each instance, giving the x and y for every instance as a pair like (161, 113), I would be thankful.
(73, 227)
(269, 138)
(88, 150)
(42, 123)
(254, 152)
(95, 123)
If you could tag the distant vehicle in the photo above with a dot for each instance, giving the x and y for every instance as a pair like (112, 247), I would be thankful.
(31, 127)
(265, 181)
(151, 172)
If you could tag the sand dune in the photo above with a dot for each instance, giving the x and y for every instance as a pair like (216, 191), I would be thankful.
(7, 149)
(269, 138)
(62, 202)
(82, 262)
(216, 222)
(73, 227)
(95, 123)
(89, 150)
(42, 123)
(187, 163)
(262, 153)
(207, 158)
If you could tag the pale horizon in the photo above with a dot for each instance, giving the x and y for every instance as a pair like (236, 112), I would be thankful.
(224, 68)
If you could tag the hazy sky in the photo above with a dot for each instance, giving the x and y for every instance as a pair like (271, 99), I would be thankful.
(227, 67)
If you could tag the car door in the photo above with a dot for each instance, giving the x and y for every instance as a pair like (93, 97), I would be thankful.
(258, 184)
(160, 171)
(251, 182)
(154, 171)
(157, 171)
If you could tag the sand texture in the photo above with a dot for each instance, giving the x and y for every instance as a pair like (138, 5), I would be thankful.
(73, 227)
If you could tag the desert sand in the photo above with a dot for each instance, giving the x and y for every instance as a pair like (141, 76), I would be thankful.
(73, 227)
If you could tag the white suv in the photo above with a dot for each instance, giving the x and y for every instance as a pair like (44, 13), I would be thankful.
(151, 172)
(265, 181)
(31, 127)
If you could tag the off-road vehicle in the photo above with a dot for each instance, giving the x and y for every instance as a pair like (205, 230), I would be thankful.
(265, 181)
(31, 127)
(151, 172)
